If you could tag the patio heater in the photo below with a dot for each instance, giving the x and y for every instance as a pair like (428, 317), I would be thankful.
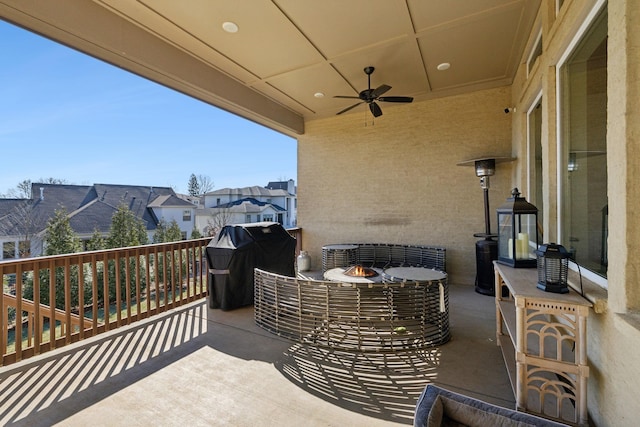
(487, 246)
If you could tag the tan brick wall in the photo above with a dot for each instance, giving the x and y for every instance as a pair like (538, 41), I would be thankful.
(613, 336)
(405, 186)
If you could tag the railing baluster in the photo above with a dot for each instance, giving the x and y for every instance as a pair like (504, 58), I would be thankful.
(94, 293)
(81, 298)
(118, 261)
(18, 327)
(52, 304)
(4, 319)
(138, 286)
(39, 321)
(67, 302)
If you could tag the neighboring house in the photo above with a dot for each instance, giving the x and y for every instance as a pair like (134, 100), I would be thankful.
(275, 202)
(90, 207)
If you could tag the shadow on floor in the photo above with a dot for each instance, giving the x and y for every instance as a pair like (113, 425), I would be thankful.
(105, 374)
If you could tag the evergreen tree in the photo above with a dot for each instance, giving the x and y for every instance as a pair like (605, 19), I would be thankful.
(59, 236)
(194, 186)
(159, 236)
(96, 243)
(195, 233)
(126, 229)
(59, 239)
(174, 234)
(165, 234)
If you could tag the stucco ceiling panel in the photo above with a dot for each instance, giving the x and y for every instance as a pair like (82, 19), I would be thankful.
(303, 84)
(481, 51)
(276, 45)
(428, 14)
(337, 26)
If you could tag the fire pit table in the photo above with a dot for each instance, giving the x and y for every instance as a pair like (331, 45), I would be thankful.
(396, 310)
(353, 275)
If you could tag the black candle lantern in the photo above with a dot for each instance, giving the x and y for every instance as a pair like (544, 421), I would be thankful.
(517, 232)
(553, 263)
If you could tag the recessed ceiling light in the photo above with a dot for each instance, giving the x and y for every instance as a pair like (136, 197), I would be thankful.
(319, 95)
(443, 66)
(230, 27)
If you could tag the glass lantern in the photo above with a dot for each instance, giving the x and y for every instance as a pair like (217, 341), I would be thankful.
(553, 266)
(517, 232)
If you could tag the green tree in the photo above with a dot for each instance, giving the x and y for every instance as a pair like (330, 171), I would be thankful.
(194, 186)
(195, 233)
(165, 234)
(159, 235)
(199, 185)
(174, 234)
(126, 229)
(59, 238)
(96, 242)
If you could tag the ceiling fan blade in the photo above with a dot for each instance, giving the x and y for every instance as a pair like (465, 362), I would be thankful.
(396, 99)
(380, 90)
(375, 109)
(348, 97)
(349, 108)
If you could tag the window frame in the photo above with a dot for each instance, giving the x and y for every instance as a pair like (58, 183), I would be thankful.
(560, 143)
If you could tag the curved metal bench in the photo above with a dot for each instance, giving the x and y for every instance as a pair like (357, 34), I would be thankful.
(364, 317)
(383, 255)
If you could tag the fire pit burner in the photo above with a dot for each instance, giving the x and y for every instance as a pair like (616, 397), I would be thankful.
(360, 271)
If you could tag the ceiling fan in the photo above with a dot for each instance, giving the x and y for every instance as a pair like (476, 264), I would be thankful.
(370, 96)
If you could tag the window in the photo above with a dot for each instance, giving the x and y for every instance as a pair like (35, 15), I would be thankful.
(247, 218)
(186, 215)
(268, 217)
(535, 53)
(583, 84)
(257, 218)
(8, 250)
(183, 234)
(534, 121)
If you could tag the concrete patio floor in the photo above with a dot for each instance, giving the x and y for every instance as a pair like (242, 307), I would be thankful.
(201, 367)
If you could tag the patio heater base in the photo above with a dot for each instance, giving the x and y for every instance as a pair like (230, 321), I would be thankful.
(486, 253)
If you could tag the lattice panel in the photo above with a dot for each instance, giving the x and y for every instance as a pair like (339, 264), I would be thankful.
(552, 393)
(551, 333)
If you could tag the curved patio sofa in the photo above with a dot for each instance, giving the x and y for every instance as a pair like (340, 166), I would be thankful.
(383, 255)
(364, 317)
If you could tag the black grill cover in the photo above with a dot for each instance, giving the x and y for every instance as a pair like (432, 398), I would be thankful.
(236, 251)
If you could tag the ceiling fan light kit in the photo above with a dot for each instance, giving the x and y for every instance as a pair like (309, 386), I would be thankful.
(370, 96)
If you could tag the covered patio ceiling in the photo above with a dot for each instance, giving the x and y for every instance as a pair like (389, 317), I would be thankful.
(287, 51)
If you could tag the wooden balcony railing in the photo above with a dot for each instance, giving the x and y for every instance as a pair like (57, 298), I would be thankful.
(52, 301)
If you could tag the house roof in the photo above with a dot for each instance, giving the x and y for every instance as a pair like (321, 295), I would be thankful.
(278, 185)
(170, 200)
(249, 205)
(90, 207)
(253, 191)
(328, 45)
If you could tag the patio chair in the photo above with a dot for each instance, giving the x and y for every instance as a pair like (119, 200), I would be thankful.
(439, 407)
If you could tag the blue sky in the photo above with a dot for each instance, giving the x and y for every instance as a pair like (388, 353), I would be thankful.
(69, 116)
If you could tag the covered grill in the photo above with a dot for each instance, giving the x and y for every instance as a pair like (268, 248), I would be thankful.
(236, 251)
